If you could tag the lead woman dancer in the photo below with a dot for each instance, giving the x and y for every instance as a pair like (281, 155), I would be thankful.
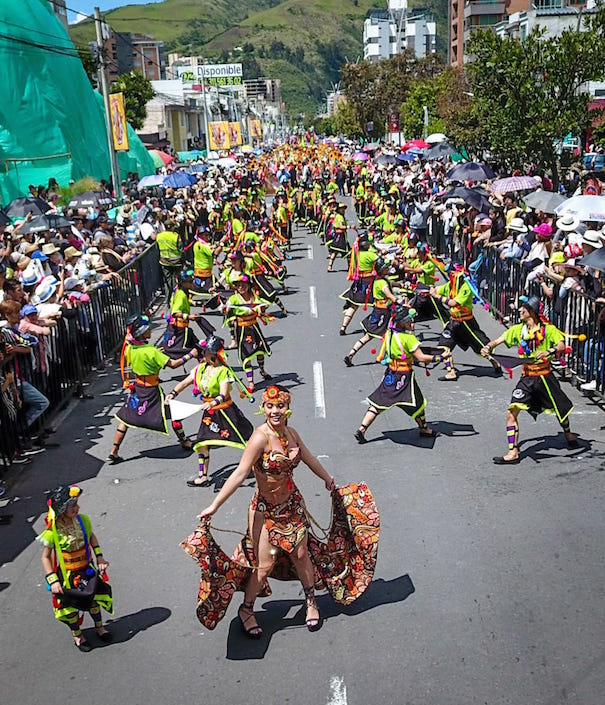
(277, 517)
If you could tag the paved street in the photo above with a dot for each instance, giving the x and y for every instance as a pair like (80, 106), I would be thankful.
(490, 581)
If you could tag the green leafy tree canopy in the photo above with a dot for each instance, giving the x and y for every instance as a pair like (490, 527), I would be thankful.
(137, 92)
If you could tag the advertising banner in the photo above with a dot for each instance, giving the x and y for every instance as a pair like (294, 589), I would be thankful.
(119, 127)
(235, 134)
(219, 135)
(255, 129)
(224, 75)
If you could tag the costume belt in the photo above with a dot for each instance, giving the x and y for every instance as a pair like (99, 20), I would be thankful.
(400, 366)
(202, 272)
(246, 320)
(366, 274)
(147, 380)
(224, 405)
(460, 317)
(256, 271)
(536, 369)
(75, 560)
(179, 323)
(381, 304)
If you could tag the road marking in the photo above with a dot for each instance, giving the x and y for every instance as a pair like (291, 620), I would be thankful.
(318, 384)
(338, 691)
(312, 302)
(310, 251)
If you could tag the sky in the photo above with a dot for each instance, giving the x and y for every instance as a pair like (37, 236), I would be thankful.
(87, 6)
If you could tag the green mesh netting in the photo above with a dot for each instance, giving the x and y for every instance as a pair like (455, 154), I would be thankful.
(50, 116)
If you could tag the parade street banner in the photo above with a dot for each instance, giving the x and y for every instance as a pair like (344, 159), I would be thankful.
(220, 75)
(256, 129)
(235, 134)
(119, 127)
(219, 135)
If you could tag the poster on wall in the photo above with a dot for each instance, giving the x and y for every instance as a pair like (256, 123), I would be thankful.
(235, 134)
(119, 127)
(219, 135)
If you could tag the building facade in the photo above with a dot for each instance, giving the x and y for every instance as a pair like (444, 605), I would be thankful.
(126, 52)
(508, 18)
(60, 9)
(387, 33)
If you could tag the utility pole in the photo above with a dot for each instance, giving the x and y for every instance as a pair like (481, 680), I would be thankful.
(205, 111)
(104, 86)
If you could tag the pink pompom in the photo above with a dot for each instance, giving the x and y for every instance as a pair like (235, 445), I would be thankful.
(486, 307)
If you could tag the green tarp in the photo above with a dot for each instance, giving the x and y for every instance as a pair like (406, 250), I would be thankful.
(50, 117)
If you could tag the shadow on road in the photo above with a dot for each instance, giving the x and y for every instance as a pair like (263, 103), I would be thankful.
(272, 617)
(539, 450)
(125, 628)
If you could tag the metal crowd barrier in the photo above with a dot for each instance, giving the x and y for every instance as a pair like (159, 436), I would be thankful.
(502, 282)
(83, 339)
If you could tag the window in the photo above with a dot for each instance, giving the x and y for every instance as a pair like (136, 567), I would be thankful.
(168, 119)
(182, 119)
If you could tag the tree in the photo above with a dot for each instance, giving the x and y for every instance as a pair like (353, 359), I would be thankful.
(423, 93)
(137, 92)
(89, 64)
(529, 93)
(462, 122)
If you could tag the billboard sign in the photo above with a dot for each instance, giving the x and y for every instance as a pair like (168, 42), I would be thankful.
(220, 75)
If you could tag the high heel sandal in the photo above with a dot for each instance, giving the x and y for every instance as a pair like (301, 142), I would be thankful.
(313, 623)
(254, 632)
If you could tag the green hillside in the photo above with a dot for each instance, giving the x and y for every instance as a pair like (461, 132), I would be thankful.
(301, 42)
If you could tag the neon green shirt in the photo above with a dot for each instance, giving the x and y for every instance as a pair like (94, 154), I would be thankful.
(145, 359)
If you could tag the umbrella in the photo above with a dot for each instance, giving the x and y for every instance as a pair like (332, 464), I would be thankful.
(415, 144)
(227, 162)
(360, 156)
(514, 183)
(470, 171)
(463, 192)
(586, 208)
(386, 159)
(198, 168)
(151, 180)
(160, 158)
(595, 259)
(406, 157)
(437, 151)
(371, 147)
(45, 221)
(478, 201)
(92, 199)
(545, 201)
(179, 179)
(22, 206)
(4, 219)
(436, 137)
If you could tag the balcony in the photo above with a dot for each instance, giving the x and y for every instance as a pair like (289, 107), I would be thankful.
(481, 7)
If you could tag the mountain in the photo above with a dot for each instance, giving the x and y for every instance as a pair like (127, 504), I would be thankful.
(301, 42)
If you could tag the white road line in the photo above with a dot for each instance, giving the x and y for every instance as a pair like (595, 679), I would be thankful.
(338, 691)
(318, 385)
(310, 251)
(312, 302)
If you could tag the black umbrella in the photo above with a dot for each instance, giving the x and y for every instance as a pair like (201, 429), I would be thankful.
(470, 171)
(20, 207)
(595, 260)
(4, 219)
(46, 221)
(463, 192)
(478, 201)
(439, 151)
(386, 159)
(92, 199)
